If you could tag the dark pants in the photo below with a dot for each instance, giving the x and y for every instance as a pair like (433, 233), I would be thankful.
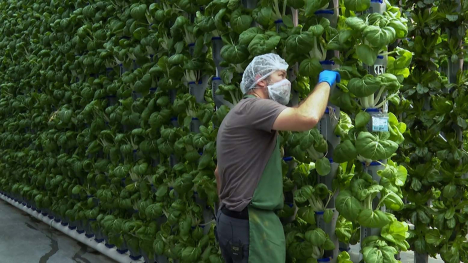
(232, 232)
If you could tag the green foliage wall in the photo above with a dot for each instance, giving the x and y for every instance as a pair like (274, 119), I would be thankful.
(110, 109)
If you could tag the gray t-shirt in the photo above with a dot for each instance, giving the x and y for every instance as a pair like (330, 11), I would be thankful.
(244, 145)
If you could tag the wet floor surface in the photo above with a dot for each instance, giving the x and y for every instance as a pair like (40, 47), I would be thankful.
(24, 239)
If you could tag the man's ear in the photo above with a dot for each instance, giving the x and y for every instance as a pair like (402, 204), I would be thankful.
(262, 86)
(262, 83)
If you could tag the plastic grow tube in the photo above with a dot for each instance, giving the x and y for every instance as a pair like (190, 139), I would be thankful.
(344, 249)
(112, 253)
(327, 62)
(371, 110)
(325, 11)
(373, 163)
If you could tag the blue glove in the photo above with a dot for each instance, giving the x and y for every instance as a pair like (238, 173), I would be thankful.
(330, 77)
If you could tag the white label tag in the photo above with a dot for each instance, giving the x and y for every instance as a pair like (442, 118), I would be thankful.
(379, 69)
(379, 124)
(376, 69)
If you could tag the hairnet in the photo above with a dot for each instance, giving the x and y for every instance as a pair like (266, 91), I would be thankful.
(260, 68)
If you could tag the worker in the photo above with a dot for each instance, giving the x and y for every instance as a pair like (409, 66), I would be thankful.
(248, 173)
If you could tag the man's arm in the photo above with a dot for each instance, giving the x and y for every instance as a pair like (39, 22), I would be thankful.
(309, 112)
(218, 181)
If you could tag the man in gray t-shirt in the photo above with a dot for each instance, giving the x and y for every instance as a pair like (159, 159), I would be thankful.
(248, 173)
(245, 142)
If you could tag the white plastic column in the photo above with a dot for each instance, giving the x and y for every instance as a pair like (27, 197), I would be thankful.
(377, 6)
(326, 126)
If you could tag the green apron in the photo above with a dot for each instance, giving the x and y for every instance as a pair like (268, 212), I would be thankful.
(266, 239)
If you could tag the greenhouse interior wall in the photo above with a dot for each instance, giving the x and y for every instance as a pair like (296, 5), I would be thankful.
(110, 111)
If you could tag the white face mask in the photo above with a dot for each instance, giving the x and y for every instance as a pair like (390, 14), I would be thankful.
(280, 91)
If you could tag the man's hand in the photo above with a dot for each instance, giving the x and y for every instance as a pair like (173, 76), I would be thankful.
(329, 76)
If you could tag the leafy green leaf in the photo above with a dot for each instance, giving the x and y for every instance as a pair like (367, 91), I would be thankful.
(366, 54)
(375, 146)
(307, 214)
(300, 43)
(323, 166)
(362, 119)
(240, 22)
(248, 35)
(262, 44)
(379, 37)
(373, 219)
(310, 67)
(312, 6)
(372, 254)
(77, 189)
(316, 237)
(348, 206)
(449, 191)
(344, 257)
(396, 232)
(357, 6)
(355, 23)
(344, 152)
(393, 201)
(363, 87)
(328, 215)
(433, 237)
(234, 53)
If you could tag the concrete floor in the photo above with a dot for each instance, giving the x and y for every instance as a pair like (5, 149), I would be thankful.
(24, 239)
